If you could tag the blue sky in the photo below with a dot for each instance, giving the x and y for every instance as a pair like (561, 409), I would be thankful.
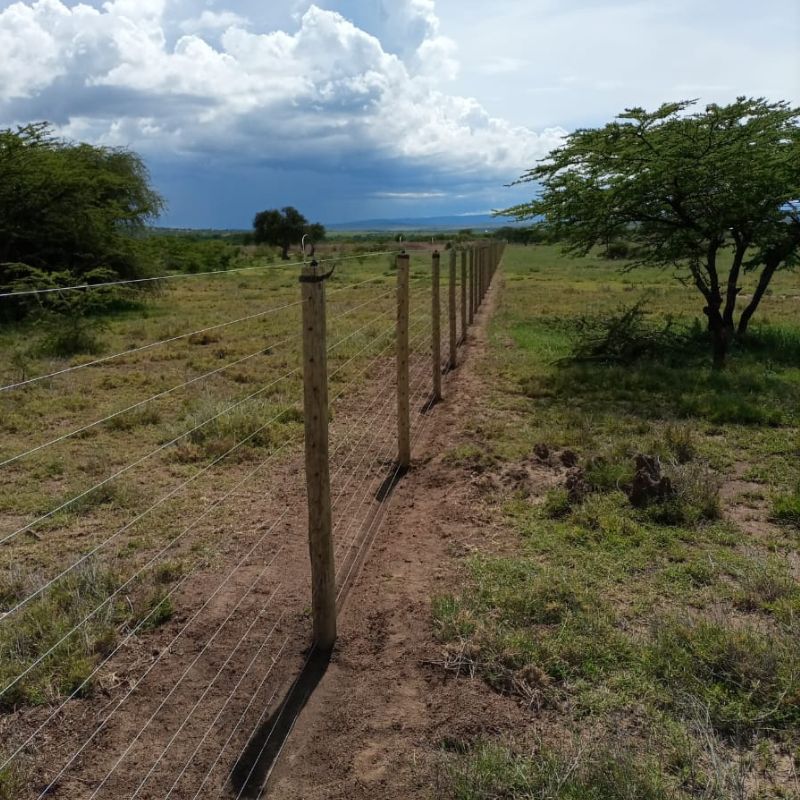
(354, 109)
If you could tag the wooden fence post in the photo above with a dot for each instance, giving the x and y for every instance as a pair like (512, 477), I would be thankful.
(451, 307)
(436, 326)
(403, 391)
(471, 284)
(482, 279)
(318, 483)
(464, 296)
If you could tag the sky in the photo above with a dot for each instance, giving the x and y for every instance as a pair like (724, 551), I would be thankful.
(370, 109)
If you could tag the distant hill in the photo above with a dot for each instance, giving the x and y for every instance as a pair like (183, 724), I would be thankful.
(474, 222)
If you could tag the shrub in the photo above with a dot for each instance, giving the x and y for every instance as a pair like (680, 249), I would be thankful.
(71, 206)
(695, 498)
(618, 250)
(624, 336)
(68, 335)
(557, 504)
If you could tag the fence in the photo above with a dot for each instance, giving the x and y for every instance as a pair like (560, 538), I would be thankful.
(202, 528)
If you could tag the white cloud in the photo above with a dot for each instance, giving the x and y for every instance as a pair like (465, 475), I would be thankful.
(327, 92)
(210, 21)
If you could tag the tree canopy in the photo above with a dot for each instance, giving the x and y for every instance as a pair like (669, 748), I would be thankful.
(284, 228)
(67, 207)
(713, 193)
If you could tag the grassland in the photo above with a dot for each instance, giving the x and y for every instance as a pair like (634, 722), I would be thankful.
(226, 399)
(657, 647)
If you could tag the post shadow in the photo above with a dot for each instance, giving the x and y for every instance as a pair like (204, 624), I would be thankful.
(251, 772)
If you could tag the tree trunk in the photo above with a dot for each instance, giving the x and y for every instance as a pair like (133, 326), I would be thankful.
(721, 333)
(733, 290)
(775, 256)
(285, 252)
(763, 284)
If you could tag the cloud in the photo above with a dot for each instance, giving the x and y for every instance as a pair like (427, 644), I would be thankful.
(329, 93)
(214, 21)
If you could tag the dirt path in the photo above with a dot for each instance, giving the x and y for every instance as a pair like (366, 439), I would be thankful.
(372, 726)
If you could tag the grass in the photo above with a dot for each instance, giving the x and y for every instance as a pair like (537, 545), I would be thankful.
(748, 681)
(55, 641)
(229, 397)
(674, 620)
(489, 771)
(37, 668)
(786, 508)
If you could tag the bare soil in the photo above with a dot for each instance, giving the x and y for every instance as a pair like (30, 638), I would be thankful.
(377, 722)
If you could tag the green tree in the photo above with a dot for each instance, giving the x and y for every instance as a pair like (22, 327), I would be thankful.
(714, 193)
(70, 207)
(284, 228)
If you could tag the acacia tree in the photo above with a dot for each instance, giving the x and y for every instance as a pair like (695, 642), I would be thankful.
(714, 194)
(284, 228)
(67, 206)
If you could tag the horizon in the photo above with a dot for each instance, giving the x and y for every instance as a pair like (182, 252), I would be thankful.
(352, 110)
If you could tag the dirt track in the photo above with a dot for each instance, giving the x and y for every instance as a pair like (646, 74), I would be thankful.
(374, 723)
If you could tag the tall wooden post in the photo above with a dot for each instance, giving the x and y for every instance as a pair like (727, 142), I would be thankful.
(481, 273)
(464, 296)
(436, 326)
(451, 308)
(318, 483)
(471, 285)
(403, 390)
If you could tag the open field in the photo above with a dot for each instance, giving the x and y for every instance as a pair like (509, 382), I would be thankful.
(566, 644)
(204, 478)
(655, 649)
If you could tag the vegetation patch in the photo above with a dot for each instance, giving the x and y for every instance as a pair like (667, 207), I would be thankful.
(633, 599)
(217, 427)
(490, 771)
(527, 631)
(786, 508)
(51, 646)
(748, 681)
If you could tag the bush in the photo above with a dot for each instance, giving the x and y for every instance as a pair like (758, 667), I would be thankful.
(618, 251)
(68, 335)
(624, 337)
(68, 207)
(695, 498)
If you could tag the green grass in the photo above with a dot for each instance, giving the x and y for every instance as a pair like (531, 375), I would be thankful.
(230, 396)
(13, 780)
(65, 625)
(666, 618)
(748, 681)
(786, 508)
(488, 771)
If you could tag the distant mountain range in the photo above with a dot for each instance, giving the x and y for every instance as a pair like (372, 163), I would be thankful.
(475, 222)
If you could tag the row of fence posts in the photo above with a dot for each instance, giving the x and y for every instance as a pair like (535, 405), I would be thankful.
(478, 266)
